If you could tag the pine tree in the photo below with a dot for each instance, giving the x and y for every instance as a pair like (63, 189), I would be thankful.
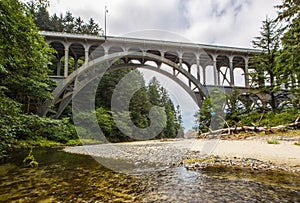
(288, 66)
(265, 61)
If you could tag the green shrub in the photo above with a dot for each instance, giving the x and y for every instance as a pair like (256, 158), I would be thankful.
(273, 141)
(35, 127)
(9, 123)
(297, 143)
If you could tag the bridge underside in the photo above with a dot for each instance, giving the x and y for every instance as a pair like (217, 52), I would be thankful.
(64, 92)
(196, 68)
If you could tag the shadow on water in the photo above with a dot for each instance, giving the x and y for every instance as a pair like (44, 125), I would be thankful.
(62, 177)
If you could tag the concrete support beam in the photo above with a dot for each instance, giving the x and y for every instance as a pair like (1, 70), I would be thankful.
(198, 67)
(246, 73)
(216, 72)
(58, 66)
(66, 68)
(180, 62)
(204, 74)
(231, 71)
(86, 55)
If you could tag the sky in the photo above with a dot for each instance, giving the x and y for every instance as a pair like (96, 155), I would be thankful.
(223, 22)
(218, 22)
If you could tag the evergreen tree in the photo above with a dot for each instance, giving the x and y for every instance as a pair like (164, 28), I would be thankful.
(265, 61)
(288, 66)
(288, 10)
(91, 27)
(158, 96)
(211, 115)
(56, 23)
(68, 22)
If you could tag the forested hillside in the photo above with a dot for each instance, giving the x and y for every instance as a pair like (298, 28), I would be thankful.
(25, 85)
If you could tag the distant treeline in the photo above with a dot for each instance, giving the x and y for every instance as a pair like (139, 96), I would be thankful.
(60, 23)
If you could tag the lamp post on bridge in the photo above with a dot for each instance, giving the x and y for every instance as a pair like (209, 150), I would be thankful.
(105, 11)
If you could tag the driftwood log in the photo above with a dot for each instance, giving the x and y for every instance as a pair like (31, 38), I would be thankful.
(235, 130)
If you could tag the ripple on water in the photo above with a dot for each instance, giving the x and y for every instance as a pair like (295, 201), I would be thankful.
(62, 177)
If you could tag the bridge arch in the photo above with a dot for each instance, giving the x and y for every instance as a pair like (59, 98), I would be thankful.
(63, 93)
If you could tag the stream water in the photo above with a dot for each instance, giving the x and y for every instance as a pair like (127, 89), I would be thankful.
(64, 177)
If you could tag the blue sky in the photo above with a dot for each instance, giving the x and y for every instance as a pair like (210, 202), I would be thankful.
(220, 22)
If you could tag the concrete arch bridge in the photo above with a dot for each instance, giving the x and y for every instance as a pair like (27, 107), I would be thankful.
(196, 67)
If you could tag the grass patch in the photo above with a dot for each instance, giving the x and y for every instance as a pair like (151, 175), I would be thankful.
(273, 141)
(77, 142)
(90, 141)
(38, 141)
(297, 143)
(204, 160)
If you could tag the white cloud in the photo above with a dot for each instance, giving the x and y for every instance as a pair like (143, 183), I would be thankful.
(226, 22)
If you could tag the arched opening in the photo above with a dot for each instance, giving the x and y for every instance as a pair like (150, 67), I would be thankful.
(154, 52)
(151, 63)
(77, 54)
(205, 61)
(209, 75)
(172, 56)
(252, 81)
(134, 49)
(115, 50)
(96, 51)
(194, 71)
(223, 70)
(135, 61)
(257, 104)
(56, 64)
(239, 77)
(189, 58)
(224, 73)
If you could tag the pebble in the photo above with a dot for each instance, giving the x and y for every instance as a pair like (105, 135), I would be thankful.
(166, 155)
(236, 162)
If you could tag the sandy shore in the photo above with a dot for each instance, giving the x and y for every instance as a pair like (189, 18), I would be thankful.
(284, 153)
(172, 152)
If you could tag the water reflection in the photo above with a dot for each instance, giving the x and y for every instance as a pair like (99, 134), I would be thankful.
(62, 177)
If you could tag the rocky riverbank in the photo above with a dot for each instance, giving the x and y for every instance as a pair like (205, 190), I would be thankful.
(193, 162)
(250, 154)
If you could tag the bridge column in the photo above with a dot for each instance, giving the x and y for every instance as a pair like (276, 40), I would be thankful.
(204, 74)
(66, 68)
(231, 71)
(216, 74)
(86, 54)
(246, 72)
(180, 61)
(198, 67)
(162, 55)
(58, 66)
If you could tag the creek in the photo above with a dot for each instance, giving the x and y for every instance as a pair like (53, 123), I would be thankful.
(65, 177)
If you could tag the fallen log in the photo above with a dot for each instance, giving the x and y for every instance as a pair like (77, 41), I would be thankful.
(235, 130)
